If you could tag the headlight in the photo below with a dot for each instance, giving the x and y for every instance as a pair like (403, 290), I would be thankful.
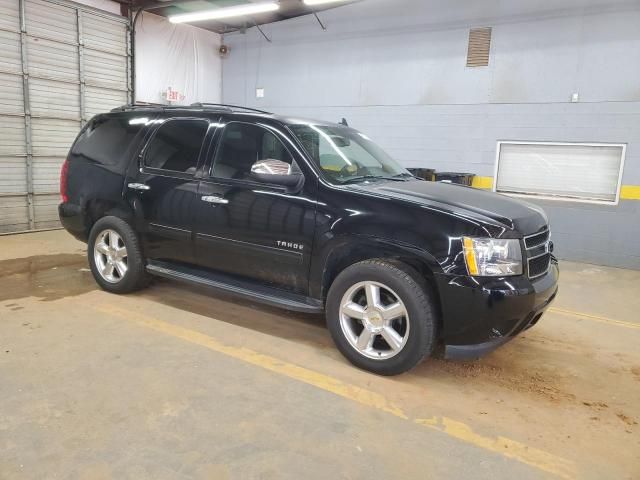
(491, 257)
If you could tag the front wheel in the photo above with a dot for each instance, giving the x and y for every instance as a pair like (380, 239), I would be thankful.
(115, 256)
(381, 316)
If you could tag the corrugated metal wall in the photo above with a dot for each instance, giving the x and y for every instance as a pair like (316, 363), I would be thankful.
(60, 65)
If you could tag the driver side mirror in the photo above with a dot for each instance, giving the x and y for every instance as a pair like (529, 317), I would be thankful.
(276, 172)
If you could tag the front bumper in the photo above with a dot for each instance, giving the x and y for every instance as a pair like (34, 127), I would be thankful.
(480, 314)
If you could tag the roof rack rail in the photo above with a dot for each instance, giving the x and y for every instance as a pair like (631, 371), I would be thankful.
(162, 106)
(216, 106)
(227, 106)
(131, 106)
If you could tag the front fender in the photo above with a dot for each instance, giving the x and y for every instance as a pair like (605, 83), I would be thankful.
(336, 252)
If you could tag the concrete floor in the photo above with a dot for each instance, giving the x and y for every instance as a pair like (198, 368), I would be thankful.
(175, 382)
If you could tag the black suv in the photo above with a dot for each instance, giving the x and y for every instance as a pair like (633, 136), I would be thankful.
(309, 216)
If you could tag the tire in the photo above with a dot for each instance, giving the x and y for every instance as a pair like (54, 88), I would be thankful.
(127, 266)
(416, 327)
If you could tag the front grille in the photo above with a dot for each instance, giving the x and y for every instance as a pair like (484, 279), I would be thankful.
(539, 265)
(536, 239)
(538, 255)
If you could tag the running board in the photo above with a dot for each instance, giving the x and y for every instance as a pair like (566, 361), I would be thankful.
(254, 291)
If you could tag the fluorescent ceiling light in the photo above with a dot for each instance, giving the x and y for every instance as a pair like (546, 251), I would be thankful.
(320, 2)
(226, 12)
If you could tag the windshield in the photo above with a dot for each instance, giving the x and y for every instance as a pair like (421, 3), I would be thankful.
(346, 155)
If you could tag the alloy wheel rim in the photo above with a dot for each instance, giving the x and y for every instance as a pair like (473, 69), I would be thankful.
(110, 255)
(374, 320)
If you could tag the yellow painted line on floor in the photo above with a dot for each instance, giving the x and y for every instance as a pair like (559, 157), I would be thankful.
(509, 448)
(502, 445)
(610, 321)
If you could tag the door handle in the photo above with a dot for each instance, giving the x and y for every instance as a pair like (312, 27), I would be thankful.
(139, 186)
(214, 199)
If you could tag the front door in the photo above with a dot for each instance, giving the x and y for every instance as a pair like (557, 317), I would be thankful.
(248, 226)
(165, 188)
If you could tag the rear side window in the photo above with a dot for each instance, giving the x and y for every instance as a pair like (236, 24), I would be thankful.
(106, 140)
(176, 146)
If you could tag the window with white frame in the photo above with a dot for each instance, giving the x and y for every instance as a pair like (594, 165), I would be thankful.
(588, 172)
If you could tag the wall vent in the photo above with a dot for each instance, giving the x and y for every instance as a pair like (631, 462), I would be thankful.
(479, 45)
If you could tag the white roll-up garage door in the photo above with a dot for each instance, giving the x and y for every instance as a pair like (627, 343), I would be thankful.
(61, 63)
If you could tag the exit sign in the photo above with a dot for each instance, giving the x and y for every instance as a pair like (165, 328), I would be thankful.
(172, 95)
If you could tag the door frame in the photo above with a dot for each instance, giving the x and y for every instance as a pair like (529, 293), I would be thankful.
(309, 186)
(139, 172)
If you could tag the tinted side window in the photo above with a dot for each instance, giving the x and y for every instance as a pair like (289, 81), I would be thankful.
(243, 144)
(176, 146)
(106, 139)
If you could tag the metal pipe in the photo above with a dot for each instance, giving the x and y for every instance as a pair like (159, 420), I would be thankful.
(132, 37)
(319, 21)
(27, 113)
(261, 31)
(81, 68)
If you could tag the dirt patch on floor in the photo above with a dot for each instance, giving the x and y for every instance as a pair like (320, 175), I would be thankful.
(626, 419)
(541, 383)
(553, 344)
(596, 405)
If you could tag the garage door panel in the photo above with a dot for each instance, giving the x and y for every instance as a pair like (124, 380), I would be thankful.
(10, 59)
(14, 213)
(13, 138)
(13, 175)
(54, 222)
(45, 209)
(11, 100)
(106, 69)
(51, 137)
(54, 99)
(51, 20)
(101, 100)
(10, 18)
(51, 59)
(104, 33)
(46, 174)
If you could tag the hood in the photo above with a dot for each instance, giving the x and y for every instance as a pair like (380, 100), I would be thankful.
(477, 205)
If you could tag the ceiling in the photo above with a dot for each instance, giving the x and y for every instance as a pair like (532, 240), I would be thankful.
(288, 9)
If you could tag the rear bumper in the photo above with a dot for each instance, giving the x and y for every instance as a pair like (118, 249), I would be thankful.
(481, 314)
(73, 220)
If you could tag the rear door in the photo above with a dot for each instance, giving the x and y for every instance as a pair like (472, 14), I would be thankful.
(164, 191)
(256, 230)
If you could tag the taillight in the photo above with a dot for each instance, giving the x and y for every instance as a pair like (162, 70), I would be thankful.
(64, 171)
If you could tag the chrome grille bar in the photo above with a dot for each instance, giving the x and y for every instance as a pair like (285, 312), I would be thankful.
(537, 247)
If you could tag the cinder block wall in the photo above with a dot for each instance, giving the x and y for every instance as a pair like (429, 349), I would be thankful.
(396, 70)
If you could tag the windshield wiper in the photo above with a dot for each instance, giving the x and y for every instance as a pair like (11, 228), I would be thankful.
(369, 177)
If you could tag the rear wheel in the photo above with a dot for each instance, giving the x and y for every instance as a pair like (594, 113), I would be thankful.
(381, 316)
(115, 256)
